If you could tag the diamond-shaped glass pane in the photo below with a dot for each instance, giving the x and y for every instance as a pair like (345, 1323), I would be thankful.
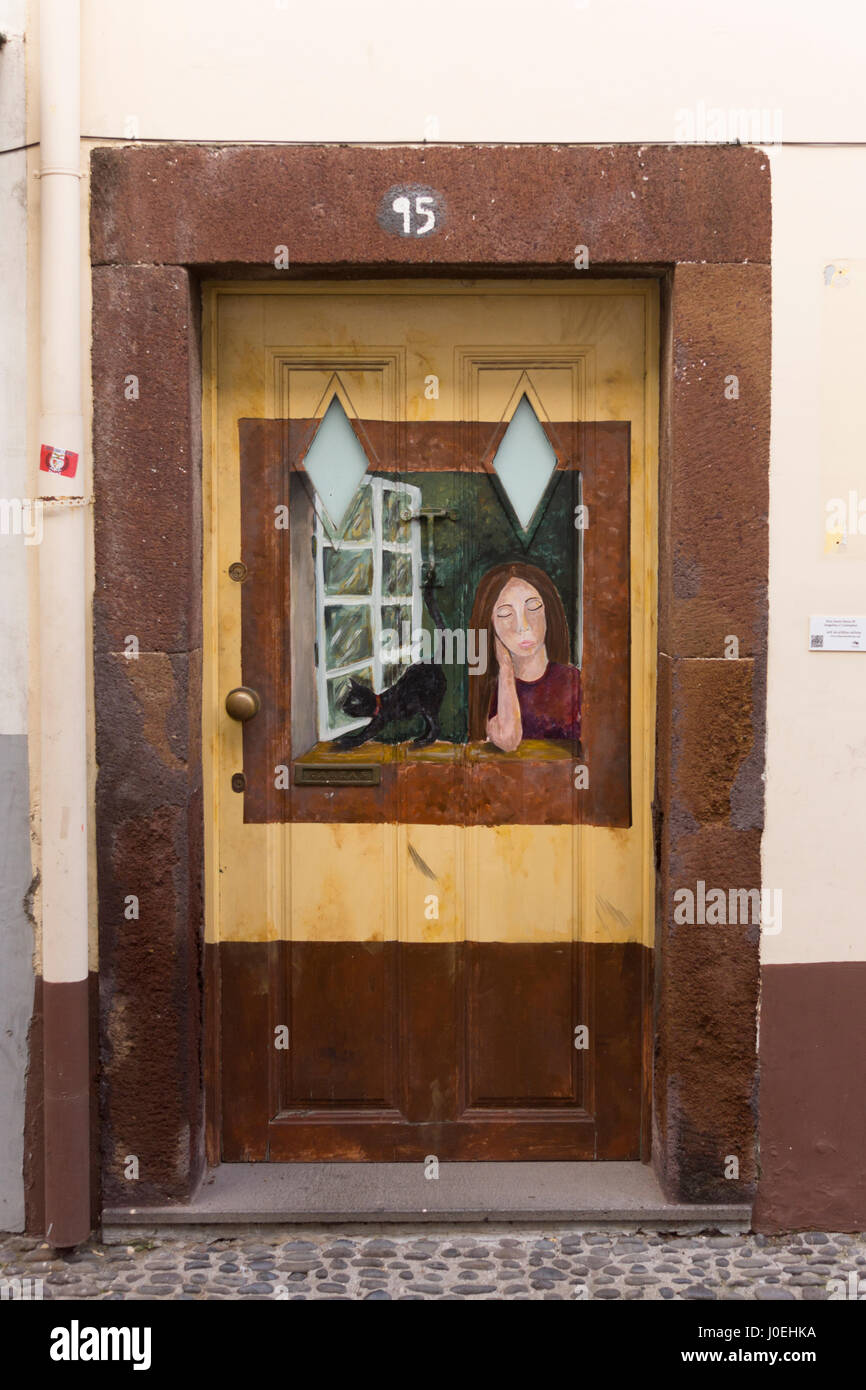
(335, 463)
(524, 462)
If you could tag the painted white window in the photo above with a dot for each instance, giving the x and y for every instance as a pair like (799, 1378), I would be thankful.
(368, 582)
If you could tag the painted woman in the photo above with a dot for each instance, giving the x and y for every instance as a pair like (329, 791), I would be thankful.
(531, 689)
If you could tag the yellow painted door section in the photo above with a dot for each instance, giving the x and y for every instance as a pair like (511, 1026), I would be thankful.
(430, 518)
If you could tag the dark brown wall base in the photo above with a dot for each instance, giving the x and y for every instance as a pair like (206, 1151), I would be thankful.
(813, 1098)
(66, 1101)
(34, 1132)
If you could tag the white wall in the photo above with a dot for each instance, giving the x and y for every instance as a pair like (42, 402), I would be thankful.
(815, 838)
(581, 70)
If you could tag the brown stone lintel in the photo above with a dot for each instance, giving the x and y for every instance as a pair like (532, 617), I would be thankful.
(503, 205)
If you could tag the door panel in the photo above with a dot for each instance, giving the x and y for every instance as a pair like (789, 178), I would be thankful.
(436, 949)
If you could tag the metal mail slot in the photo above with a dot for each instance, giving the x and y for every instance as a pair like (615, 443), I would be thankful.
(337, 774)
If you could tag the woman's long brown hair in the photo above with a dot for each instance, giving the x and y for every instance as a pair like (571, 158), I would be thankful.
(558, 647)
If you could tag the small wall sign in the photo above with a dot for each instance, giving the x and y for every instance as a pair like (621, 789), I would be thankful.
(61, 461)
(845, 633)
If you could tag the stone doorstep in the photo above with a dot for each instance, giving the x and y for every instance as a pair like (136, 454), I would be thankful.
(573, 1194)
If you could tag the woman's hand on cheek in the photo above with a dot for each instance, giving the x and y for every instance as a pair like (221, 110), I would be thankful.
(503, 656)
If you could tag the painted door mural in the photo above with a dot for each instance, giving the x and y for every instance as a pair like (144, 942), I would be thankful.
(430, 883)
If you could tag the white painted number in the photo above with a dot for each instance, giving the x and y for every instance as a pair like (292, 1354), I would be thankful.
(427, 212)
(404, 207)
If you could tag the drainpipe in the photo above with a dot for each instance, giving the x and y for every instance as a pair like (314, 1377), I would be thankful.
(62, 638)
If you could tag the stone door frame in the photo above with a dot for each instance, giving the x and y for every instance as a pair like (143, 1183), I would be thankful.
(166, 217)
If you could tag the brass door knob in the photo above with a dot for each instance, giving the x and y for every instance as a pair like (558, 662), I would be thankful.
(242, 703)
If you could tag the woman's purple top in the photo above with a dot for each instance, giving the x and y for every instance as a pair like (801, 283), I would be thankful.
(550, 706)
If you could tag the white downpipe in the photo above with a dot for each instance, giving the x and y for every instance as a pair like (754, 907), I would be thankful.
(62, 555)
(63, 779)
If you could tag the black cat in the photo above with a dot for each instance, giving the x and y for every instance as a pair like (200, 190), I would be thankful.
(420, 690)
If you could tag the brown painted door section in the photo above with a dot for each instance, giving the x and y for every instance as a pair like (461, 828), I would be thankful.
(431, 522)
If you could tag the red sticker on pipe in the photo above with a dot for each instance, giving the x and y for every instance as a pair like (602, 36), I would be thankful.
(58, 461)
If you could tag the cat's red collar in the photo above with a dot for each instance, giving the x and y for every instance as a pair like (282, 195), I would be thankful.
(378, 705)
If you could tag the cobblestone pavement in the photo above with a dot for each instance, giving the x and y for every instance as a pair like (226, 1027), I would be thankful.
(487, 1263)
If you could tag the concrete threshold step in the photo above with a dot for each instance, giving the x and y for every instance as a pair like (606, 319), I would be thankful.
(255, 1194)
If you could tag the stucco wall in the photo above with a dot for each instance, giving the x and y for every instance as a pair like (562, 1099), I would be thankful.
(593, 71)
(816, 715)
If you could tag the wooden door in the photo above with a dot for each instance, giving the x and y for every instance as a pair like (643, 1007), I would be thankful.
(430, 515)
